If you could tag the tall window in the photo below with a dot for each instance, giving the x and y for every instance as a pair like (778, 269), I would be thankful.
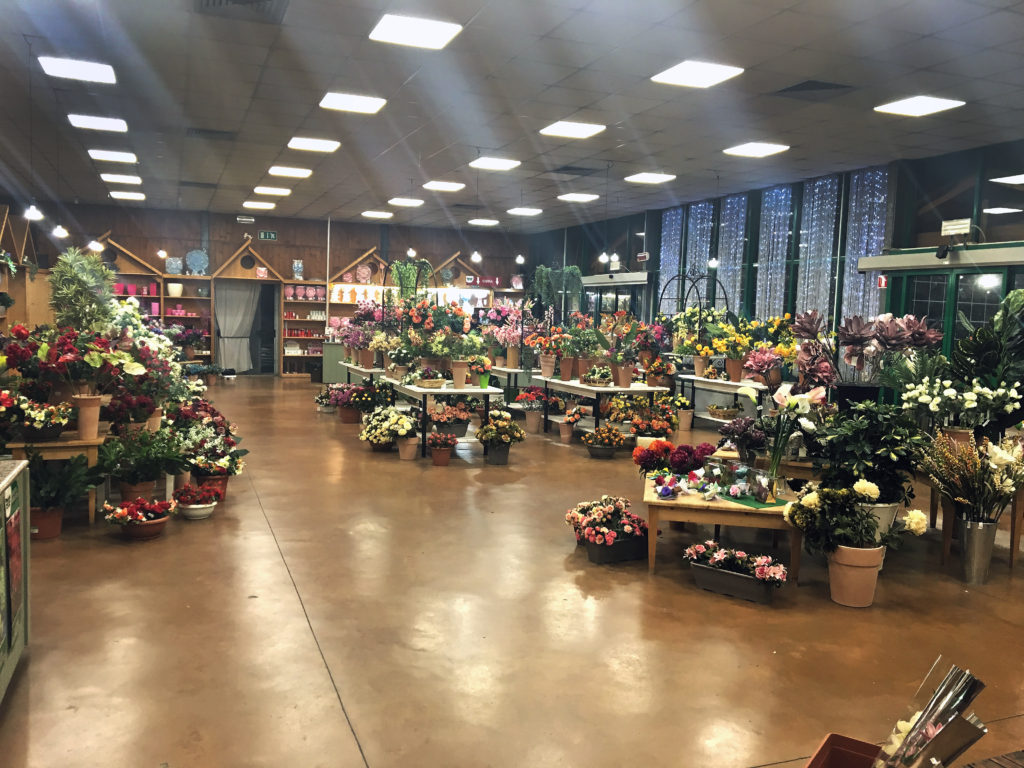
(669, 260)
(698, 244)
(731, 230)
(866, 236)
(815, 277)
(773, 249)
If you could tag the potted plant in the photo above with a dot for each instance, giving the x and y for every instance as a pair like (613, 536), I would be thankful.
(876, 443)
(574, 517)
(498, 434)
(602, 442)
(187, 338)
(647, 343)
(649, 426)
(323, 400)
(441, 445)
(480, 368)
(657, 371)
(401, 358)
(836, 522)
(197, 502)
(765, 366)
(616, 339)
(979, 481)
(384, 427)
(568, 425)
(586, 345)
(613, 533)
(138, 459)
(461, 349)
(684, 412)
(653, 457)
(140, 518)
(687, 458)
(746, 435)
(430, 378)
(598, 376)
(53, 486)
(81, 287)
(735, 573)
(215, 461)
(39, 422)
(453, 420)
(532, 402)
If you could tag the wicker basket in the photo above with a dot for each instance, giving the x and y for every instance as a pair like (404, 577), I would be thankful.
(597, 382)
(723, 413)
(431, 383)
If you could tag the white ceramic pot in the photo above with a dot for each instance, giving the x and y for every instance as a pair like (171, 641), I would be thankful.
(645, 442)
(196, 511)
(886, 516)
(174, 290)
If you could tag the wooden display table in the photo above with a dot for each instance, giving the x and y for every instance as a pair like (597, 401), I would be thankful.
(422, 393)
(693, 508)
(574, 387)
(67, 446)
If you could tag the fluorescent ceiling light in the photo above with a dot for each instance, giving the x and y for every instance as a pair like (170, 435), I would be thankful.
(578, 197)
(571, 130)
(406, 202)
(121, 194)
(1018, 179)
(918, 106)
(484, 222)
(999, 209)
(261, 205)
(378, 214)
(112, 156)
(313, 145)
(73, 69)
(95, 246)
(650, 178)
(525, 211)
(281, 191)
(95, 123)
(444, 186)
(286, 170)
(59, 232)
(494, 163)
(32, 213)
(350, 102)
(120, 178)
(697, 74)
(414, 31)
(756, 149)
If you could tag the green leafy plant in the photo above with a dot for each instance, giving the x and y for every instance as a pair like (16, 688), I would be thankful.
(140, 456)
(832, 517)
(542, 288)
(81, 287)
(5, 300)
(58, 483)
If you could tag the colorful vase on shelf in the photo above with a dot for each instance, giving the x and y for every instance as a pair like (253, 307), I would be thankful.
(298, 269)
(289, 292)
(311, 292)
(321, 292)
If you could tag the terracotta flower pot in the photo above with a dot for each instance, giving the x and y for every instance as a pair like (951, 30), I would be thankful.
(46, 523)
(583, 366)
(685, 420)
(499, 361)
(181, 480)
(132, 491)
(147, 530)
(400, 371)
(459, 370)
(655, 381)
(700, 365)
(441, 456)
(153, 422)
(958, 435)
(565, 432)
(512, 357)
(646, 357)
(547, 366)
(622, 375)
(366, 358)
(533, 421)
(734, 369)
(217, 481)
(348, 415)
(408, 448)
(568, 369)
(853, 575)
(88, 415)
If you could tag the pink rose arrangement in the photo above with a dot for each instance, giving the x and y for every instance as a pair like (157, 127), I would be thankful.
(604, 521)
(760, 567)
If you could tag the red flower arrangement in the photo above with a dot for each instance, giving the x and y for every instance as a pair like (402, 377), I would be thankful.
(197, 496)
(530, 401)
(442, 440)
(686, 458)
(653, 458)
(138, 511)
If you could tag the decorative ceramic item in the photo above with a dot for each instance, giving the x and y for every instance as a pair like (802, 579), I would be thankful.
(347, 277)
(321, 292)
(204, 291)
(174, 290)
(298, 269)
(132, 289)
(311, 292)
(335, 322)
(363, 273)
(447, 275)
(289, 292)
(197, 261)
(173, 265)
(261, 272)
(118, 289)
(154, 308)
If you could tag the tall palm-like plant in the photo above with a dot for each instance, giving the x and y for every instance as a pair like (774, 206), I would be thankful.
(81, 287)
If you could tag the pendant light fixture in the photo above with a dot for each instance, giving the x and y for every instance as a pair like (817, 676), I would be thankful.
(95, 246)
(604, 258)
(59, 232)
(32, 213)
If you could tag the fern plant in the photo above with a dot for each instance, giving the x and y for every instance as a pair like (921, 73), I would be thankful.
(81, 287)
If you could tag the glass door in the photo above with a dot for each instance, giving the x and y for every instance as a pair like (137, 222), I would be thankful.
(978, 297)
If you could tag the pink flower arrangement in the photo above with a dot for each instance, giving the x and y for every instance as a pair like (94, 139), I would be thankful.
(604, 521)
(760, 567)
(762, 360)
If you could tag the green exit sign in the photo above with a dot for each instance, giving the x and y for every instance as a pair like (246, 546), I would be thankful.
(266, 234)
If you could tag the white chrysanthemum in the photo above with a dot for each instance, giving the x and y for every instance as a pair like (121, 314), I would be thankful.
(866, 488)
(916, 521)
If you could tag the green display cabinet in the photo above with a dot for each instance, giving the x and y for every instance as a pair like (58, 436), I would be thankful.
(333, 355)
(14, 586)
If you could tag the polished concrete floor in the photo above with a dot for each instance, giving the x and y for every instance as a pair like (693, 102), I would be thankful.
(344, 608)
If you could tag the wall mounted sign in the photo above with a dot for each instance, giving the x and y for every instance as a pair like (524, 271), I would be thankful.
(484, 281)
(883, 281)
(267, 234)
(643, 256)
(956, 227)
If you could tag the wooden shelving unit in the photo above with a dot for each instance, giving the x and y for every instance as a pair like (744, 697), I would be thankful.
(297, 351)
(135, 277)
(199, 309)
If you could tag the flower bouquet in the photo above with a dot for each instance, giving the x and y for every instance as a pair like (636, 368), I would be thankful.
(654, 457)
(197, 502)
(687, 458)
(657, 370)
(573, 415)
(735, 573)
(652, 425)
(603, 441)
(613, 533)
(140, 519)
(498, 434)
(766, 365)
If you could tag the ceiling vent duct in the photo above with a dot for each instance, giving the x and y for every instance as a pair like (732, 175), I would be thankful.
(211, 134)
(815, 90)
(262, 11)
(197, 184)
(568, 173)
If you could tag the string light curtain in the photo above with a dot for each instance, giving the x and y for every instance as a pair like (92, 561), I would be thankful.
(817, 245)
(669, 259)
(773, 248)
(698, 239)
(731, 230)
(866, 236)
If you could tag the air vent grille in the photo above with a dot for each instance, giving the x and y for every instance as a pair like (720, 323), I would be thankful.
(466, 207)
(262, 11)
(197, 184)
(210, 133)
(814, 90)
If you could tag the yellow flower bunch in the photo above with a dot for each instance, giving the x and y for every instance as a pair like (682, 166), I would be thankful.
(786, 351)
(704, 351)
